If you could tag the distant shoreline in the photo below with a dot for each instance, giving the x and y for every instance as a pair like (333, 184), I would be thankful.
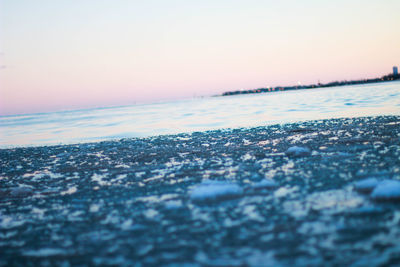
(386, 78)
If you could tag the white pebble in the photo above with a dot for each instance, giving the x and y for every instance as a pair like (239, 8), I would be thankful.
(297, 151)
(387, 190)
(266, 183)
(366, 185)
(214, 191)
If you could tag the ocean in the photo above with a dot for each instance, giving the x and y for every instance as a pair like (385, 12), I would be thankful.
(199, 114)
(314, 192)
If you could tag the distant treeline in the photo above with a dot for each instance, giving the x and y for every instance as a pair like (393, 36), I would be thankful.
(385, 78)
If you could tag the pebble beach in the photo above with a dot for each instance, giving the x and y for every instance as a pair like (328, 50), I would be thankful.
(314, 193)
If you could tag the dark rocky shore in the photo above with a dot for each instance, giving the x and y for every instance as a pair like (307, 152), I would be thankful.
(155, 202)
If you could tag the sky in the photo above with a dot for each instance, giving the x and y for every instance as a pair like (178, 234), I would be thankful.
(64, 55)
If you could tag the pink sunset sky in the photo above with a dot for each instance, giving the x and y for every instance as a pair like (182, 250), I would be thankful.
(58, 55)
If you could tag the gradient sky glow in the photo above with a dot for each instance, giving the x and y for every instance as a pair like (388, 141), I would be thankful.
(57, 55)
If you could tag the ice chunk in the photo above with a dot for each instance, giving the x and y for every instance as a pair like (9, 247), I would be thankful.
(94, 208)
(69, 191)
(213, 191)
(387, 190)
(284, 191)
(99, 178)
(8, 222)
(366, 185)
(126, 225)
(265, 183)
(297, 151)
(21, 191)
(44, 252)
(173, 204)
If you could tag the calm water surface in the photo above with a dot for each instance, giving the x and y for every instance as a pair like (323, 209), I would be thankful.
(199, 114)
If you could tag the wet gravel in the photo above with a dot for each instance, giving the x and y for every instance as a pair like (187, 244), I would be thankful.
(280, 195)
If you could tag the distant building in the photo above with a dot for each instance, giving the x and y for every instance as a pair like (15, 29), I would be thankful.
(395, 71)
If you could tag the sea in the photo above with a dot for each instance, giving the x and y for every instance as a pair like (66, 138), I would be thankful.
(199, 114)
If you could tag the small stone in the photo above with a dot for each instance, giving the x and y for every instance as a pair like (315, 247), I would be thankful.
(214, 191)
(387, 190)
(22, 191)
(297, 151)
(366, 185)
(264, 184)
